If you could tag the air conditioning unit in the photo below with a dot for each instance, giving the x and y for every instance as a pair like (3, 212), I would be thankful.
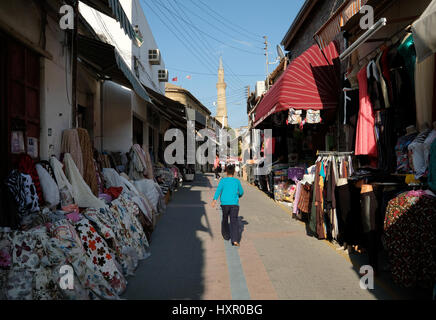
(162, 75)
(154, 56)
(260, 88)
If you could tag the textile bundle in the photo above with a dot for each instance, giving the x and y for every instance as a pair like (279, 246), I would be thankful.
(89, 174)
(71, 145)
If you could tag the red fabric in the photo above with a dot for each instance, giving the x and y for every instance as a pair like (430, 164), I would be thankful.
(365, 136)
(26, 165)
(270, 145)
(310, 82)
(114, 192)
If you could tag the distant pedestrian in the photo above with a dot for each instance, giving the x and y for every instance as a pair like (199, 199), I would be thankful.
(230, 190)
(217, 168)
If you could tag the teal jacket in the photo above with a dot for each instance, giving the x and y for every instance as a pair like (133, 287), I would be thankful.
(230, 190)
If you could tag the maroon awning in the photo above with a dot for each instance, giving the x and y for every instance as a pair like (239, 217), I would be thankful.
(310, 82)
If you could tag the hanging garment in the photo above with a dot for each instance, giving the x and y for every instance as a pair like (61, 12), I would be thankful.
(71, 144)
(407, 51)
(26, 165)
(401, 151)
(88, 160)
(383, 83)
(424, 88)
(416, 154)
(82, 194)
(49, 187)
(297, 197)
(65, 188)
(294, 116)
(375, 92)
(427, 145)
(319, 203)
(369, 206)
(365, 136)
(313, 116)
(403, 98)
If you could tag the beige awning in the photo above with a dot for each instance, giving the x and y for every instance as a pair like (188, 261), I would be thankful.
(424, 33)
(333, 26)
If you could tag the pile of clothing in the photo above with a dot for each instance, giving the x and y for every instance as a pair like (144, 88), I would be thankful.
(77, 226)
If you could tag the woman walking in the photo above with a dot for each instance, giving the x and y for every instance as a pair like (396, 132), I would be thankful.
(217, 168)
(230, 190)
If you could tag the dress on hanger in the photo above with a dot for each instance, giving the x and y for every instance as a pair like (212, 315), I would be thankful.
(365, 136)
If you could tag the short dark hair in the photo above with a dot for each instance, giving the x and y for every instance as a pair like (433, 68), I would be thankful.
(230, 169)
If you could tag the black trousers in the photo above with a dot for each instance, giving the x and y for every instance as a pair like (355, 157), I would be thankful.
(230, 231)
(217, 172)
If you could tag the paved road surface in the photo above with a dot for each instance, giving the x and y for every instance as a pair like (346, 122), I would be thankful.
(276, 260)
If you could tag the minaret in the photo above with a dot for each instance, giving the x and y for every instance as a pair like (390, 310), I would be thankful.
(221, 111)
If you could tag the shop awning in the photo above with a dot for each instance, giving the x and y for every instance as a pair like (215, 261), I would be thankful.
(334, 24)
(424, 33)
(174, 111)
(106, 61)
(310, 82)
(113, 9)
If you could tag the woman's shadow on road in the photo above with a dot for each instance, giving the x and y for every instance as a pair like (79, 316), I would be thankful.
(242, 223)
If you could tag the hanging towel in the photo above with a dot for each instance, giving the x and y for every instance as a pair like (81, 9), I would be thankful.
(71, 145)
(81, 192)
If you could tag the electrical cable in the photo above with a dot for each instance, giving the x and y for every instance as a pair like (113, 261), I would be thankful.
(229, 21)
(213, 26)
(204, 42)
(217, 40)
(175, 34)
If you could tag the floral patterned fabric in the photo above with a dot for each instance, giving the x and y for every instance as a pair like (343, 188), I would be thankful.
(410, 238)
(97, 249)
(88, 274)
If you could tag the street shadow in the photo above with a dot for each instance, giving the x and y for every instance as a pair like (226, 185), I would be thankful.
(174, 271)
(242, 224)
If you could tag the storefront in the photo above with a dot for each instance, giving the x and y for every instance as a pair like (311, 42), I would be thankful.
(362, 176)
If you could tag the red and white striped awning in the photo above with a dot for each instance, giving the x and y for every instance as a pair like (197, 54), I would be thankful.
(333, 26)
(310, 82)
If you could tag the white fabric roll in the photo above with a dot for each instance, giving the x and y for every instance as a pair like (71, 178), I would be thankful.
(82, 194)
(50, 190)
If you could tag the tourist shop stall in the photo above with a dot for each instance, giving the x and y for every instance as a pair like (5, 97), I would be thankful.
(93, 212)
(387, 118)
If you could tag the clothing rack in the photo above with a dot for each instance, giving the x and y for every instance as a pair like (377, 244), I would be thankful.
(390, 41)
(334, 153)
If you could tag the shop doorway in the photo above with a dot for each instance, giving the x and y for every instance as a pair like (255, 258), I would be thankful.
(138, 131)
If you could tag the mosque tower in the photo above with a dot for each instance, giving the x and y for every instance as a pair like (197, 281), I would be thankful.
(221, 112)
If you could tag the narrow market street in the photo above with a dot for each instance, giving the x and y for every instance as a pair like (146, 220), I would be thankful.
(276, 260)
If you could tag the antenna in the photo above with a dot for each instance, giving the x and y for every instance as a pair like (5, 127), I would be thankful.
(280, 52)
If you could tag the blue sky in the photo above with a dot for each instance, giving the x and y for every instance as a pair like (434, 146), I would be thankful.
(192, 34)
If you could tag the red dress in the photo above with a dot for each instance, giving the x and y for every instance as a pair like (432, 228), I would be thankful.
(366, 143)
